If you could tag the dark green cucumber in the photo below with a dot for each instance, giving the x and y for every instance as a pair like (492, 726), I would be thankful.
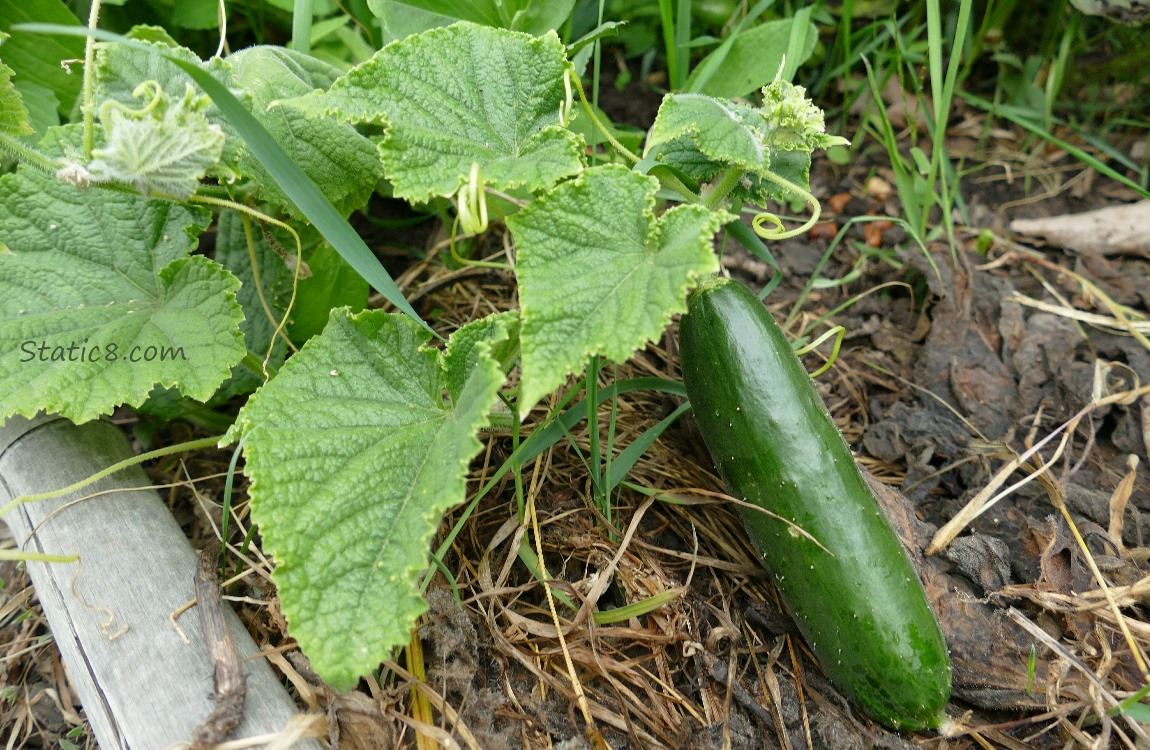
(858, 603)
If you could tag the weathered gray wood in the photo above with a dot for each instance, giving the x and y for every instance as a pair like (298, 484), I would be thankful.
(142, 686)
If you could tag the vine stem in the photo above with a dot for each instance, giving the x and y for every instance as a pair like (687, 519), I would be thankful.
(672, 182)
(20, 556)
(267, 370)
(88, 107)
(455, 237)
(599, 124)
(28, 155)
(253, 362)
(191, 445)
(723, 187)
(757, 222)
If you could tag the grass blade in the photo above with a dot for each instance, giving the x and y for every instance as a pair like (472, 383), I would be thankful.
(1086, 158)
(631, 454)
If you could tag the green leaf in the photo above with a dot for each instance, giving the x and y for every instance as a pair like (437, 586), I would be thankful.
(535, 17)
(300, 188)
(122, 68)
(41, 103)
(398, 20)
(166, 145)
(336, 157)
(600, 274)
(495, 336)
(147, 33)
(96, 279)
(333, 155)
(353, 458)
(37, 60)
(13, 113)
(751, 61)
(704, 136)
(333, 283)
(195, 14)
(722, 133)
(456, 96)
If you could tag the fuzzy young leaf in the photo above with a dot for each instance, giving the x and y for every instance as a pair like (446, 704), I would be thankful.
(353, 457)
(165, 146)
(600, 274)
(793, 121)
(341, 161)
(121, 69)
(705, 136)
(96, 279)
(456, 96)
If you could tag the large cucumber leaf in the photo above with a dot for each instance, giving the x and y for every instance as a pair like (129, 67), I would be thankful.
(457, 96)
(354, 453)
(336, 157)
(600, 274)
(102, 302)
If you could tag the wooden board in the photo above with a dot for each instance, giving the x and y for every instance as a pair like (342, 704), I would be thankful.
(143, 687)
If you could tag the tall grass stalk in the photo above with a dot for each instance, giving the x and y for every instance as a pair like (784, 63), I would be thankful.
(942, 93)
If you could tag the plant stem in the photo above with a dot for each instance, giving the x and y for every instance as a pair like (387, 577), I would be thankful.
(602, 128)
(671, 182)
(253, 362)
(592, 385)
(88, 108)
(191, 445)
(21, 556)
(28, 155)
(722, 187)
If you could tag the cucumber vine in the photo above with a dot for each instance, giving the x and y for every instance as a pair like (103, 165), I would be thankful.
(362, 419)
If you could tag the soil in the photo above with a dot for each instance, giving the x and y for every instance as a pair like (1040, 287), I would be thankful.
(948, 372)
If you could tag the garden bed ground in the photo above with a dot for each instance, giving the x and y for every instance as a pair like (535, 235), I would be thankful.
(946, 373)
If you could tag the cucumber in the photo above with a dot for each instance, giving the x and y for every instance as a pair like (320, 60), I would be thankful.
(858, 603)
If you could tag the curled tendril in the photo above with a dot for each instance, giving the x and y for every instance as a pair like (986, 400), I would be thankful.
(150, 91)
(778, 233)
(471, 202)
